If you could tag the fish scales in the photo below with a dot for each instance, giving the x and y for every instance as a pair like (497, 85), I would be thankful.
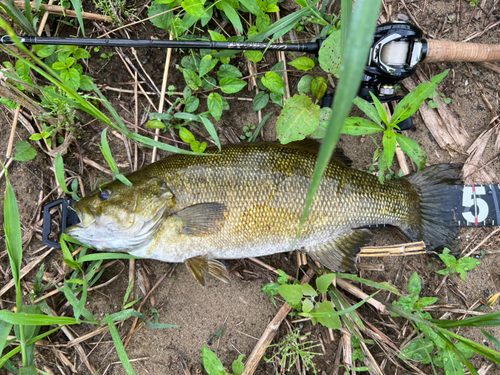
(262, 189)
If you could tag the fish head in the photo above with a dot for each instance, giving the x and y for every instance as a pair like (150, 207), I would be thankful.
(118, 217)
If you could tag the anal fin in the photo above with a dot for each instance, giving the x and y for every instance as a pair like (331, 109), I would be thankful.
(340, 253)
(218, 270)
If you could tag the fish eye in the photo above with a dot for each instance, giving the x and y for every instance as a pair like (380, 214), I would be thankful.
(104, 194)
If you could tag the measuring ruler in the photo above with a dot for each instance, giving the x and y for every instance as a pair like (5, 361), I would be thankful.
(476, 206)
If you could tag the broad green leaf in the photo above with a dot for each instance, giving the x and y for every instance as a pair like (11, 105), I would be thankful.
(211, 130)
(299, 118)
(304, 85)
(72, 77)
(412, 102)
(59, 170)
(120, 350)
(214, 102)
(231, 85)
(86, 83)
(238, 367)
(307, 305)
(360, 126)
(260, 101)
(302, 63)
(389, 142)
(192, 79)
(81, 53)
(274, 83)
(329, 54)
(252, 6)
(324, 118)
(59, 66)
(291, 293)
(155, 124)
(212, 364)
(254, 56)
(191, 104)
(194, 7)
(228, 71)
(425, 301)
(191, 63)
(308, 290)
(415, 285)
(412, 149)
(368, 109)
(209, 83)
(332, 321)
(276, 99)
(468, 263)
(380, 109)
(216, 37)
(187, 116)
(24, 151)
(418, 350)
(44, 51)
(263, 21)
(324, 281)
(186, 135)
(232, 15)
(318, 87)
(207, 64)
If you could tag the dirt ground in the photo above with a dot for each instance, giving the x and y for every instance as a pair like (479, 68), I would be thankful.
(240, 309)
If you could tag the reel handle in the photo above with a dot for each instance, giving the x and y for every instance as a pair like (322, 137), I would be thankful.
(446, 51)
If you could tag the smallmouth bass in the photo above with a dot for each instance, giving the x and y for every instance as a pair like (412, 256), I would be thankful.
(247, 201)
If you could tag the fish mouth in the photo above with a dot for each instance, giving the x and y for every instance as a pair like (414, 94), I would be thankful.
(92, 232)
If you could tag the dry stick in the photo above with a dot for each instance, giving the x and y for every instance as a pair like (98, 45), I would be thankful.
(45, 18)
(56, 9)
(360, 294)
(137, 22)
(26, 269)
(482, 242)
(78, 347)
(411, 248)
(132, 329)
(13, 132)
(282, 57)
(269, 333)
(162, 97)
(490, 66)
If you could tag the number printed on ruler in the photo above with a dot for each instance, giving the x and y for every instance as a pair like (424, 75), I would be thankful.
(476, 208)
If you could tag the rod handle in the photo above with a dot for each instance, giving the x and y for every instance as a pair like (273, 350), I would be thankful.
(446, 51)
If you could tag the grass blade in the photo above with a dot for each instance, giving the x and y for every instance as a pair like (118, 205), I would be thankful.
(34, 319)
(77, 5)
(105, 256)
(59, 170)
(257, 131)
(492, 338)
(10, 8)
(119, 347)
(13, 237)
(345, 16)
(359, 40)
(211, 130)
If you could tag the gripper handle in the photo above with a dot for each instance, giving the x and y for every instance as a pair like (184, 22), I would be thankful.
(446, 51)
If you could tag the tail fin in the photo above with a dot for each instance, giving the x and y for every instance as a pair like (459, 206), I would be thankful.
(434, 209)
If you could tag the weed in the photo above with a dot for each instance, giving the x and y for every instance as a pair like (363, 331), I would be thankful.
(434, 343)
(247, 132)
(293, 348)
(213, 365)
(459, 266)
(115, 9)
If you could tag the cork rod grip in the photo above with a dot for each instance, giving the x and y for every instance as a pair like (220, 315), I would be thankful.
(445, 51)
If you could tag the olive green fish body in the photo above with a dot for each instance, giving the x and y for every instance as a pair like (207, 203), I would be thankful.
(248, 201)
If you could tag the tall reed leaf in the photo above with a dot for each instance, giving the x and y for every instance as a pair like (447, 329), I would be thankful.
(122, 354)
(345, 16)
(13, 238)
(359, 40)
(77, 5)
(13, 12)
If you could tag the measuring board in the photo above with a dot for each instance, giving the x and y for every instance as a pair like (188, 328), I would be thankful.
(473, 205)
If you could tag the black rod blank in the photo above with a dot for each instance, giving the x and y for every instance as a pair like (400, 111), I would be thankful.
(312, 47)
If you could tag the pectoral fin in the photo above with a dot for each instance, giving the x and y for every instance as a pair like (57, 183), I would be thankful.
(199, 265)
(202, 219)
(340, 253)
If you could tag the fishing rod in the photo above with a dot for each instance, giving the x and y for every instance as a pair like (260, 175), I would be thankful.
(396, 50)
(473, 206)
